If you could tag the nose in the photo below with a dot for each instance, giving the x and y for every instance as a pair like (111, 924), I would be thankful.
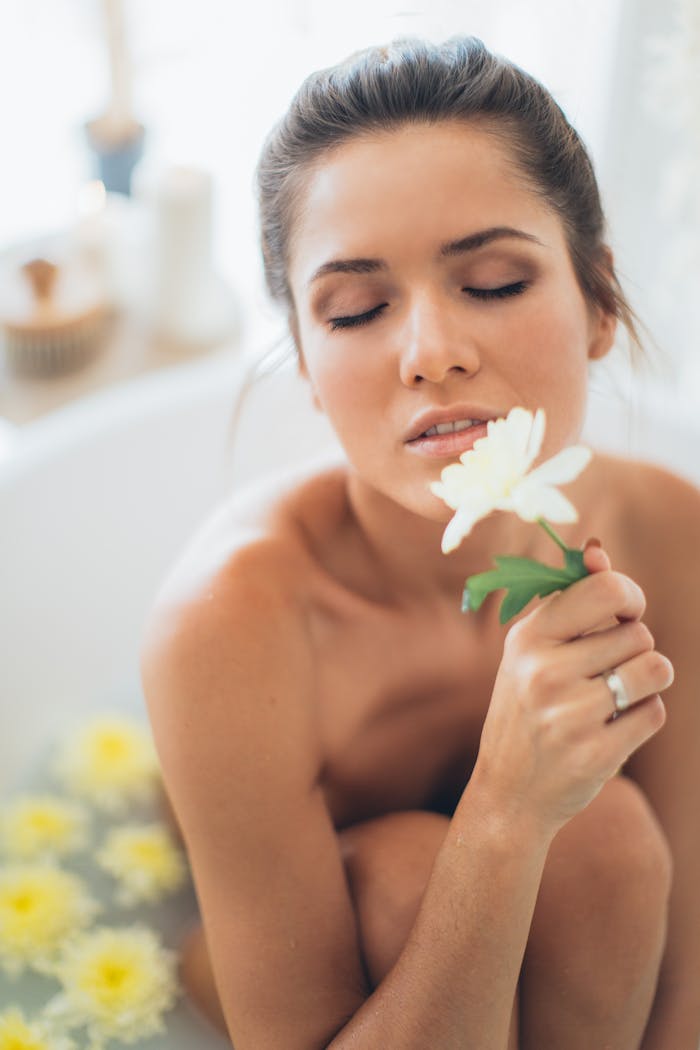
(435, 341)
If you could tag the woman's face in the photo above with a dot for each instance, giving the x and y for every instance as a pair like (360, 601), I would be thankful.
(433, 334)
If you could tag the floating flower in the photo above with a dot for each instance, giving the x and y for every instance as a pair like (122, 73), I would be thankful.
(493, 475)
(117, 982)
(111, 762)
(17, 1033)
(39, 906)
(146, 861)
(42, 826)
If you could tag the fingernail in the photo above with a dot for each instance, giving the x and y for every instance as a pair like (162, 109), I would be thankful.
(592, 542)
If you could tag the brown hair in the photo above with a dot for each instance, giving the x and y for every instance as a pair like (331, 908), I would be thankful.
(414, 80)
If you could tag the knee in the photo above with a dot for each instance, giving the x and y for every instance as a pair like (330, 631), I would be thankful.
(605, 896)
(624, 856)
(388, 860)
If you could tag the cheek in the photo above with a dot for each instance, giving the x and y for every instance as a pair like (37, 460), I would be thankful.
(549, 364)
(348, 387)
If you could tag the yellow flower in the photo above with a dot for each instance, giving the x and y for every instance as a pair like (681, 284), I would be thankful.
(110, 761)
(492, 475)
(146, 861)
(39, 825)
(117, 982)
(39, 906)
(16, 1033)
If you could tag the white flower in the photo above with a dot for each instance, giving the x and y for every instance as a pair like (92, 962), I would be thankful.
(145, 860)
(493, 476)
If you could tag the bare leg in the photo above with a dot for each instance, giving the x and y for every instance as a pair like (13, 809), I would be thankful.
(599, 928)
(591, 964)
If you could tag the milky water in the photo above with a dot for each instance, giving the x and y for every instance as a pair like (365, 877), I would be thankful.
(169, 917)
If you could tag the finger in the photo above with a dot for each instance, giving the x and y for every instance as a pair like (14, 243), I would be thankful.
(595, 557)
(623, 735)
(587, 603)
(597, 652)
(642, 676)
(629, 730)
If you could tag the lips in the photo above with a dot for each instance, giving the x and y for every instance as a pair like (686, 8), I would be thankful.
(442, 445)
(432, 417)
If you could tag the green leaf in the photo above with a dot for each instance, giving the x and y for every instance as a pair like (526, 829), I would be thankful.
(523, 579)
(573, 560)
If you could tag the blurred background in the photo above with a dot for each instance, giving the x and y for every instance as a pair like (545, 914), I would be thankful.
(131, 129)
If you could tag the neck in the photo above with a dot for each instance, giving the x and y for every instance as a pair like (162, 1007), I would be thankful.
(408, 559)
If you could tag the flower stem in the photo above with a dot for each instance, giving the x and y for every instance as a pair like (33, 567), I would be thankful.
(547, 528)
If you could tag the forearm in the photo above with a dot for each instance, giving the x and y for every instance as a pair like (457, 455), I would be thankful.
(455, 981)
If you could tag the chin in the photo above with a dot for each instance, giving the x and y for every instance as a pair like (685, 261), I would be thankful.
(428, 507)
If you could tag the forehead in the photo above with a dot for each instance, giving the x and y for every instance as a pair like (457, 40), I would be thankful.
(413, 186)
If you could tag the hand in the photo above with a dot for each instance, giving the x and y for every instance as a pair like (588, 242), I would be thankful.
(548, 745)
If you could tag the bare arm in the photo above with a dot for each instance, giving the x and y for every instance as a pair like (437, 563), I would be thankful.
(229, 683)
(229, 692)
(454, 983)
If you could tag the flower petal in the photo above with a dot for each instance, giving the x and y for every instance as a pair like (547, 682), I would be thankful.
(535, 440)
(454, 480)
(563, 467)
(464, 484)
(533, 500)
(461, 525)
(506, 438)
(133, 1008)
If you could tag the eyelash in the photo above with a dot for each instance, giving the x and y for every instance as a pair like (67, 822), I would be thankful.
(478, 293)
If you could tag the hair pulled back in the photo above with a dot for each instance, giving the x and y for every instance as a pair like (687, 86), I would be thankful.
(412, 80)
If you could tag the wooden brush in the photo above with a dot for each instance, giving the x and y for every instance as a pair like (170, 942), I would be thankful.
(53, 327)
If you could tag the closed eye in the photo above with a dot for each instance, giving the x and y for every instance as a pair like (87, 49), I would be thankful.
(356, 320)
(497, 293)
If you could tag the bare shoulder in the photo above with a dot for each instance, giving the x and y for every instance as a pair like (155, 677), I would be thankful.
(657, 535)
(663, 499)
(639, 496)
(261, 536)
(235, 608)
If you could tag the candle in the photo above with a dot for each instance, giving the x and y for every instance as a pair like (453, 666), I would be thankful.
(182, 203)
(189, 303)
(119, 110)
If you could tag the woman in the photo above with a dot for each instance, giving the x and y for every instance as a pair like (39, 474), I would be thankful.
(404, 823)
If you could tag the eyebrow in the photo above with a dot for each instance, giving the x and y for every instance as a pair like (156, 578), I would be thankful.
(459, 247)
